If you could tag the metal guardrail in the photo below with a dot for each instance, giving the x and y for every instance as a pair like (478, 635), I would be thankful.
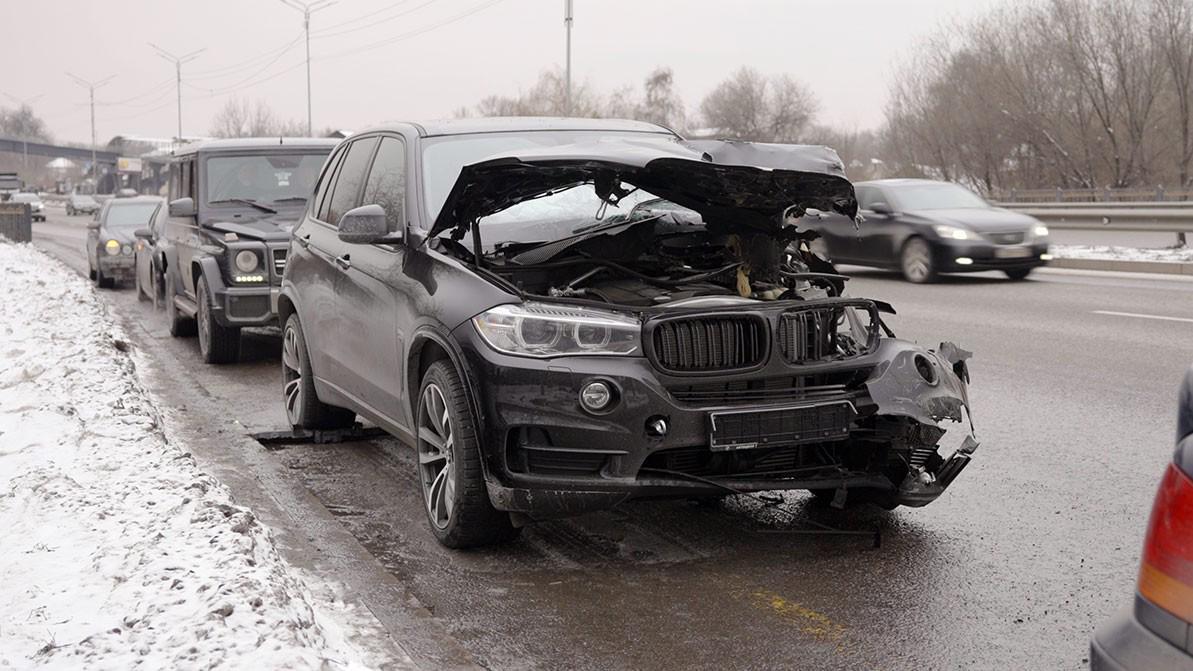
(16, 222)
(1159, 194)
(1149, 216)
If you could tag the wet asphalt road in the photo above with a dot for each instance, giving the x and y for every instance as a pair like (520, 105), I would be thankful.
(1036, 543)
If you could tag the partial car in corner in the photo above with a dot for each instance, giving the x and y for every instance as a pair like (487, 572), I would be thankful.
(563, 314)
(111, 238)
(924, 228)
(1156, 630)
(36, 207)
(149, 253)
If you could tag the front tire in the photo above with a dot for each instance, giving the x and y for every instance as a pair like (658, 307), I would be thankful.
(141, 295)
(916, 262)
(449, 466)
(218, 344)
(181, 326)
(1018, 274)
(304, 410)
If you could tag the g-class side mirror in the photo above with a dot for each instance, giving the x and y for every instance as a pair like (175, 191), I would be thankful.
(182, 207)
(365, 225)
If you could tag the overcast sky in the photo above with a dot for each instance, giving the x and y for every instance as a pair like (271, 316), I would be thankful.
(378, 60)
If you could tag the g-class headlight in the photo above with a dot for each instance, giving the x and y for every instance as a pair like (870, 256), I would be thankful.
(542, 330)
(247, 261)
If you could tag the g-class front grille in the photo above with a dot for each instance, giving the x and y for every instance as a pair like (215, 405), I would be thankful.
(714, 343)
(279, 261)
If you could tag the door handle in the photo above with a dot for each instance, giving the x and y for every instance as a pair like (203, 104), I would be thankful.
(304, 240)
(344, 262)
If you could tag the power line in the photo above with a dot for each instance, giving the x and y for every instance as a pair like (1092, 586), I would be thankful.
(308, 8)
(360, 18)
(91, 86)
(325, 32)
(248, 64)
(416, 32)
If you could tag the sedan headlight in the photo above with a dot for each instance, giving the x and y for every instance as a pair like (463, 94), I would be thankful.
(1040, 231)
(541, 330)
(112, 247)
(953, 232)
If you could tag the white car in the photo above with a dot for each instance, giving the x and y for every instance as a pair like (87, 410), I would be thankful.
(35, 205)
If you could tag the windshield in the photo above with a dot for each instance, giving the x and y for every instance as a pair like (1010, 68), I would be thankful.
(443, 158)
(941, 196)
(279, 178)
(130, 215)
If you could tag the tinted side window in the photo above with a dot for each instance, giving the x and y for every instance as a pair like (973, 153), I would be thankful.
(387, 182)
(351, 177)
(320, 201)
(867, 196)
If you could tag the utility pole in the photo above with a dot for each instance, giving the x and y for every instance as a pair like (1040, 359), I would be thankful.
(308, 8)
(24, 102)
(567, 21)
(177, 61)
(91, 86)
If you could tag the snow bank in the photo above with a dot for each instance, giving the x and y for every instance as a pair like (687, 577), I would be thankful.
(116, 551)
(1166, 254)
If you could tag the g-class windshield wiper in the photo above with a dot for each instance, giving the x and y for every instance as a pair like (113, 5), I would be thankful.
(290, 199)
(246, 201)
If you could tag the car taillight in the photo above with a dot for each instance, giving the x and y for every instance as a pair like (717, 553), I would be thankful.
(1166, 572)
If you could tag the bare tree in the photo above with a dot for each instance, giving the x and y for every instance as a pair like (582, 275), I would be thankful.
(749, 106)
(239, 118)
(22, 124)
(1172, 25)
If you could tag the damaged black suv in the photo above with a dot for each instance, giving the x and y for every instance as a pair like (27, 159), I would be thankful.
(563, 314)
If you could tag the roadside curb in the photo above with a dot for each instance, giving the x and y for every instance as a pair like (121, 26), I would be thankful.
(1160, 267)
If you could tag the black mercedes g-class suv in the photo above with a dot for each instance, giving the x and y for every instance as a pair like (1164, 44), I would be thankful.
(232, 206)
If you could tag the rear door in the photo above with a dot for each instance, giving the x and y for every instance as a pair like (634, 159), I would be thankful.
(874, 245)
(182, 233)
(370, 295)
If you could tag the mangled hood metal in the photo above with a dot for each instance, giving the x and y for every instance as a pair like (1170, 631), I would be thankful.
(728, 183)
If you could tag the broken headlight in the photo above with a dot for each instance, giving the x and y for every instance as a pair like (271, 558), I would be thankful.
(542, 330)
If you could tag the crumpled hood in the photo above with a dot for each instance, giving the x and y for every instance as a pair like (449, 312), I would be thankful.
(271, 228)
(981, 220)
(734, 183)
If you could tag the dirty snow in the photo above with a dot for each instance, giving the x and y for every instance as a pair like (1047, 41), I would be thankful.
(116, 551)
(1165, 254)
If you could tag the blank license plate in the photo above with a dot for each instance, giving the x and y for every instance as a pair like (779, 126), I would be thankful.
(1012, 252)
(777, 427)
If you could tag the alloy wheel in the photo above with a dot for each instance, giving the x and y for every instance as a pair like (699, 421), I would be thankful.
(917, 261)
(435, 464)
(291, 375)
(204, 325)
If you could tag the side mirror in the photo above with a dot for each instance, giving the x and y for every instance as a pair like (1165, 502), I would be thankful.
(183, 207)
(882, 208)
(365, 225)
(93, 225)
(143, 234)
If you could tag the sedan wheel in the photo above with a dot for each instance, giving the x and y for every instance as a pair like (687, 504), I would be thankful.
(916, 261)
(449, 465)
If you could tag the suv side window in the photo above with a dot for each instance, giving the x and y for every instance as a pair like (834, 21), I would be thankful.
(345, 193)
(320, 200)
(387, 182)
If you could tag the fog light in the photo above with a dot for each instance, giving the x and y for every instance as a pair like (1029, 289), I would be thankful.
(1045, 257)
(964, 261)
(596, 396)
(656, 427)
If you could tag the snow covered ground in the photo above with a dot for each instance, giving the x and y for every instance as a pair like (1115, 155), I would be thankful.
(116, 551)
(1166, 254)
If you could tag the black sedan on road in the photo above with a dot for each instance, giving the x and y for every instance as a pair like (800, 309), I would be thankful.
(1156, 632)
(924, 228)
(110, 238)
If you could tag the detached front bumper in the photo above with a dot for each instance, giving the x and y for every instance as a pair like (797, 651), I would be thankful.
(546, 456)
(960, 256)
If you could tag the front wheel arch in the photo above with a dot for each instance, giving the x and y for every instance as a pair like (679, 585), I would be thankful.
(427, 347)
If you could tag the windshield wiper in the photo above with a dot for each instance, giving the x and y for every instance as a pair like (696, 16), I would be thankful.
(245, 201)
(290, 199)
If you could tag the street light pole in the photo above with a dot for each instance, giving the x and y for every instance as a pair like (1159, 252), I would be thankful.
(308, 8)
(177, 61)
(91, 86)
(567, 21)
(24, 102)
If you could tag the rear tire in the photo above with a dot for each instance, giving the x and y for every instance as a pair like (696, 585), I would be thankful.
(181, 326)
(916, 262)
(218, 344)
(1018, 274)
(304, 410)
(449, 466)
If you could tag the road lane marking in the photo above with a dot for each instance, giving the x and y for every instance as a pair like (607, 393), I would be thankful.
(1133, 314)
